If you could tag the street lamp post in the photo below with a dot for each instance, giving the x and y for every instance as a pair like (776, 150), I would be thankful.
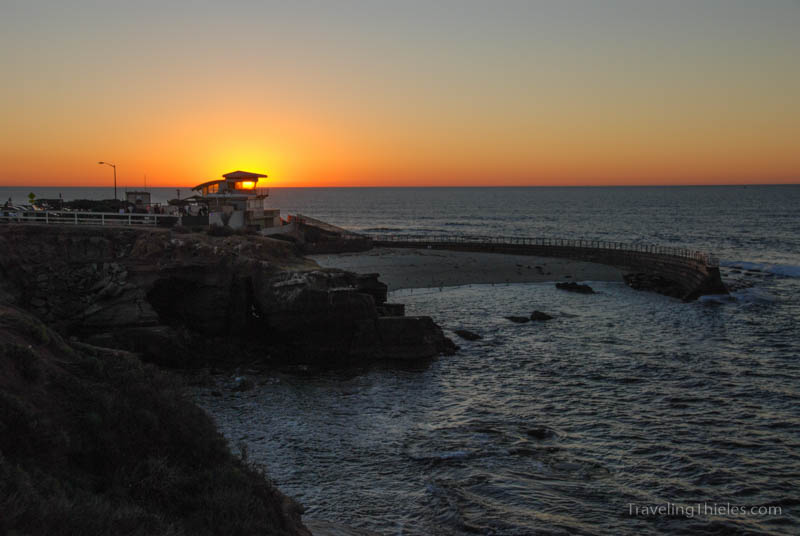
(115, 176)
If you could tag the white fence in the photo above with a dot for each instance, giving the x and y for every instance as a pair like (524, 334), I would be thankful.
(54, 217)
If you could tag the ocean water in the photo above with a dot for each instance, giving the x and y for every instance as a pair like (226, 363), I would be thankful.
(624, 401)
(756, 224)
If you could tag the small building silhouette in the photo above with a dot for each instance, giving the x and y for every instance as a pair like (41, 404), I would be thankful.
(236, 201)
(140, 200)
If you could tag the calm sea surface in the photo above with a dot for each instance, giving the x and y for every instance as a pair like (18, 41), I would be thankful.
(646, 401)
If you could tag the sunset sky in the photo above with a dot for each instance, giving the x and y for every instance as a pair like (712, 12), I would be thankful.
(375, 93)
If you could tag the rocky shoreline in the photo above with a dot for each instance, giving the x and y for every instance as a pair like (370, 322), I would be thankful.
(82, 308)
(189, 300)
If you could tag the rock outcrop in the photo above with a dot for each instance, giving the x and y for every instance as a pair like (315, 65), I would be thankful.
(654, 283)
(572, 286)
(467, 334)
(404, 338)
(539, 432)
(191, 299)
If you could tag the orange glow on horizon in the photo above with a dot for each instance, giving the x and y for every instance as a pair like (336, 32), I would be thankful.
(656, 95)
(299, 152)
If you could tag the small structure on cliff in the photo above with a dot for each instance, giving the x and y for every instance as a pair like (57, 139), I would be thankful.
(236, 201)
(140, 200)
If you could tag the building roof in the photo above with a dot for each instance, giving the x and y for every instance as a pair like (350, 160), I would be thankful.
(243, 175)
(232, 175)
(187, 200)
(209, 183)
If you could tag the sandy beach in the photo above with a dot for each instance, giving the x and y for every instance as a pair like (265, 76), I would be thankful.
(402, 268)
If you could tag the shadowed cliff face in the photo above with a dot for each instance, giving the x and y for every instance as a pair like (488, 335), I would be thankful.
(191, 299)
(94, 442)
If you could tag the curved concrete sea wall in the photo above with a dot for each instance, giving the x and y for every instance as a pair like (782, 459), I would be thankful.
(694, 273)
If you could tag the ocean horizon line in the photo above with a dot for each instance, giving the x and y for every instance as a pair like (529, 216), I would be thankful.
(435, 187)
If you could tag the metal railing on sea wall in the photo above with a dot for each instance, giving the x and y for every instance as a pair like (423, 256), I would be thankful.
(88, 218)
(488, 241)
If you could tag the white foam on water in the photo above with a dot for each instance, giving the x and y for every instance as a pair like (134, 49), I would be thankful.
(787, 270)
(711, 299)
(753, 295)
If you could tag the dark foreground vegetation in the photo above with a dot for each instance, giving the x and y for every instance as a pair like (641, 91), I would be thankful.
(92, 441)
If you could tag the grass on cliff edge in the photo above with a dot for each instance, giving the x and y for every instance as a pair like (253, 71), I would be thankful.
(102, 444)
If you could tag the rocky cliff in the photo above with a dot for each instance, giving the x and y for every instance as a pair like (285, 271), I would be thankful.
(192, 299)
(93, 442)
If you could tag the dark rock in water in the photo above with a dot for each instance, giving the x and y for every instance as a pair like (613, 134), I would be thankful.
(540, 316)
(540, 432)
(526, 452)
(654, 283)
(467, 334)
(412, 337)
(572, 286)
(518, 319)
(736, 271)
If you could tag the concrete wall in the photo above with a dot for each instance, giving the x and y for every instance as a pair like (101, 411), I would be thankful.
(280, 229)
(694, 276)
(337, 245)
(317, 237)
(236, 220)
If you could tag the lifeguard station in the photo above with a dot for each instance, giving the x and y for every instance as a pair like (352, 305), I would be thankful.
(238, 202)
